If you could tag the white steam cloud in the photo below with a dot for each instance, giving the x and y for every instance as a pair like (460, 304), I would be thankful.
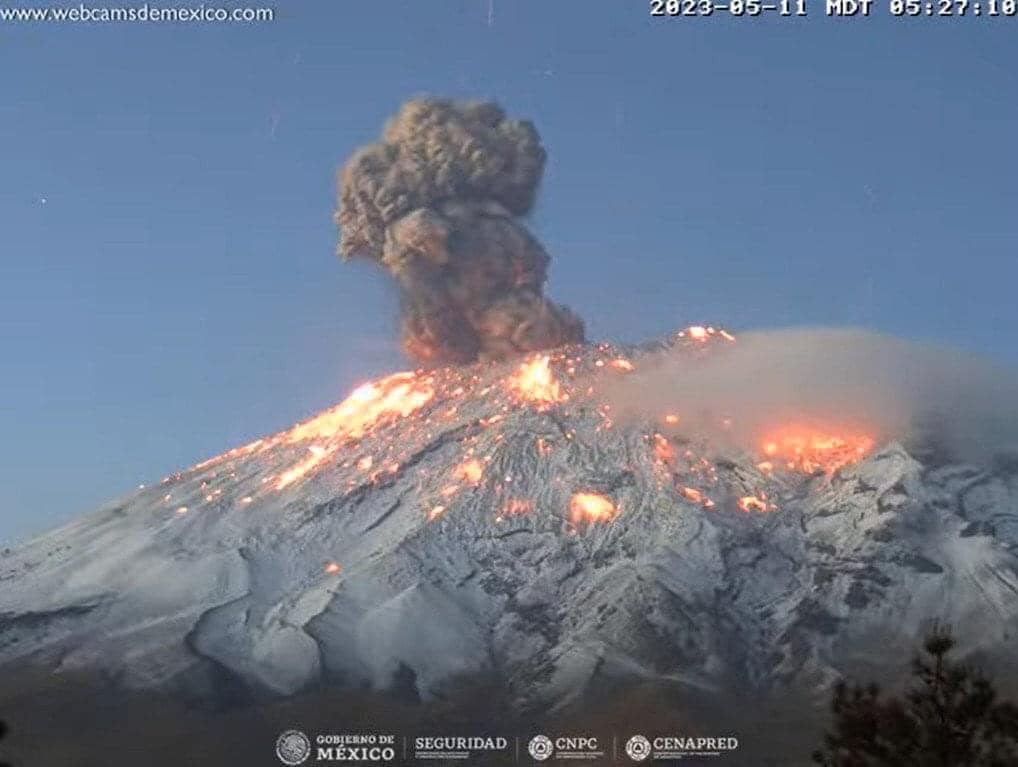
(942, 403)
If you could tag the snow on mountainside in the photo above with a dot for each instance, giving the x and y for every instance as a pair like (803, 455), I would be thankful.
(494, 518)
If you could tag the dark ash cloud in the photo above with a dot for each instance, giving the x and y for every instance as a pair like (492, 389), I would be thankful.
(437, 203)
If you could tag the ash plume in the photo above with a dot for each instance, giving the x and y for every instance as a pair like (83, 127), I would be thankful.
(437, 202)
(942, 403)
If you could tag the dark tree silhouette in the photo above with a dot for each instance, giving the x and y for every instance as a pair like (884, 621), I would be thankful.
(949, 717)
(3, 732)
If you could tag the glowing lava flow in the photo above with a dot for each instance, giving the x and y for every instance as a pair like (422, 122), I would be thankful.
(534, 382)
(297, 471)
(397, 395)
(591, 507)
(812, 451)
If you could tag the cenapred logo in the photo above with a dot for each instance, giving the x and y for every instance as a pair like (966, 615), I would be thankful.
(638, 748)
(540, 747)
(293, 747)
(671, 748)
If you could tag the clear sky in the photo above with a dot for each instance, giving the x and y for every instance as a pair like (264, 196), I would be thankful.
(169, 288)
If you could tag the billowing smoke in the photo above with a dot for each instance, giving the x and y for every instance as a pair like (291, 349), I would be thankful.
(437, 203)
(946, 403)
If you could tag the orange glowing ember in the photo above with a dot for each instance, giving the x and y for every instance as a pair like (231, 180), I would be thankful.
(622, 364)
(470, 471)
(663, 449)
(515, 507)
(671, 419)
(435, 512)
(693, 494)
(534, 382)
(591, 507)
(704, 334)
(755, 503)
(332, 568)
(813, 451)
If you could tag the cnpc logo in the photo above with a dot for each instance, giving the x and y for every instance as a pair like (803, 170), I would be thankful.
(541, 747)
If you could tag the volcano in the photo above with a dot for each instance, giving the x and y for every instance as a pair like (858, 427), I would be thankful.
(496, 519)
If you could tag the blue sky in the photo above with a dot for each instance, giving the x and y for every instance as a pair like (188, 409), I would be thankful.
(176, 293)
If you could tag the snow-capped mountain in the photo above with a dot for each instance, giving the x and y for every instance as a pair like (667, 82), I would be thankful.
(496, 519)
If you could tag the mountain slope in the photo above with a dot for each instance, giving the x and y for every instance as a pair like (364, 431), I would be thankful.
(494, 520)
